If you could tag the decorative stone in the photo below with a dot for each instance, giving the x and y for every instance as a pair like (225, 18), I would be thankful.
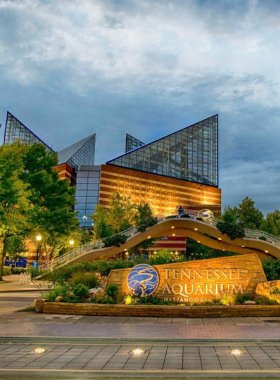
(59, 299)
(198, 281)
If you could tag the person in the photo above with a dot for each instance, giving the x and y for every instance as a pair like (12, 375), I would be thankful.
(180, 211)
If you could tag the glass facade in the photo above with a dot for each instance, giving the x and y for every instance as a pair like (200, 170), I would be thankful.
(190, 154)
(87, 192)
(15, 130)
(132, 143)
(78, 154)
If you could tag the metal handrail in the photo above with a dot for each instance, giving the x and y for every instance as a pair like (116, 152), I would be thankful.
(98, 244)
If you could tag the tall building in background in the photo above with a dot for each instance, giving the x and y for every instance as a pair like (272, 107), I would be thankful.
(180, 169)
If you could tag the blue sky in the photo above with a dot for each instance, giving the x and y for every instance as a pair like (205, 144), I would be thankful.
(72, 68)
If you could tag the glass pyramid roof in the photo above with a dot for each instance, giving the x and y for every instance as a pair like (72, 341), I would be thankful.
(15, 130)
(190, 154)
(132, 143)
(80, 153)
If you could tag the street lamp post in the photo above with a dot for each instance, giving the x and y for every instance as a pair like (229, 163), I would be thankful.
(84, 219)
(71, 242)
(38, 238)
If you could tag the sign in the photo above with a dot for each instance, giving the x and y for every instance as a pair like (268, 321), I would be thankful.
(192, 281)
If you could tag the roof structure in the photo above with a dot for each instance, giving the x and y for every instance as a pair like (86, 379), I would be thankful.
(80, 153)
(15, 130)
(132, 143)
(190, 154)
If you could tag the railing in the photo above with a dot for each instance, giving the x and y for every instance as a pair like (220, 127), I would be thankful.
(76, 252)
(97, 244)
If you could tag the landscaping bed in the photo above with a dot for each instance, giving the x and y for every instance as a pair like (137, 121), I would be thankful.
(162, 311)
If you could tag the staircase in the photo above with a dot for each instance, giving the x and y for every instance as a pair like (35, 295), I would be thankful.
(98, 244)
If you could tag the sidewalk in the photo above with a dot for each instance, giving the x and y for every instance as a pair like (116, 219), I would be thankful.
(15, 286)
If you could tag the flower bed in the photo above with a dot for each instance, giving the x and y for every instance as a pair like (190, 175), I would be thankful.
(163, 311)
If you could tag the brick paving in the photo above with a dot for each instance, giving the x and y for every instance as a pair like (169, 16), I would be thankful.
(156, 357)
(33, 324)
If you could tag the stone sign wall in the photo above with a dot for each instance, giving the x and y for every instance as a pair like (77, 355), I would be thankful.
(200, 280)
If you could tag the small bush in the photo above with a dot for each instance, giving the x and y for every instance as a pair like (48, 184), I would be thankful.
(240, 298)
(232, 230)
(262, 237)
(275, 291)
(115, 240)
(71, 298)
(80, 291)
(112, 290)
(16, 270)
(271, 269)
(267, 301)
(90, 279)
(143, 224)
(59, 290)
(7, 271)
(103, 300)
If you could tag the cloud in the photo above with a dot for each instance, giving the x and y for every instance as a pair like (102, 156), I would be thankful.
(71, 68)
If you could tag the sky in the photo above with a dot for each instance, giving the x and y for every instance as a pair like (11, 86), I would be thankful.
(70, 68)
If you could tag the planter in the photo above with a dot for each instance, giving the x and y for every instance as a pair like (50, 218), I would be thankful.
(162, 311)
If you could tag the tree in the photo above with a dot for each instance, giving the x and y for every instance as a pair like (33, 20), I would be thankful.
(144, 217)
(33, 199)
(15, 205)
(52, 200)
(271, 224)
(246, 214)
(119, 217)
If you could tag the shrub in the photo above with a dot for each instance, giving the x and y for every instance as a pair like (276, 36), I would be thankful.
(90, 279)
(240, 298)
(267, 301)
(80, 291)
(275, 291)
(103, 300)
(115, 240)
(7, 271)
(59, 290)
(112, 290)
(16, 270)
(272, 269)
(171, 217)
(162, 257)
(262, 237)
(143, 224)
(34, 272)
(233, 230)
(71, 298)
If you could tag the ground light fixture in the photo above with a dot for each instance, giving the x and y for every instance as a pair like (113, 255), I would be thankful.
(138, 351)
(236, 352)
(39, 350)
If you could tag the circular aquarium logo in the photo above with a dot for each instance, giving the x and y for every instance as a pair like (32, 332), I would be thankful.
(142, 280)
(206, 215)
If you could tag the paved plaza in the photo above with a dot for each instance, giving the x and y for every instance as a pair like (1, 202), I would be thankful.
(89, 347)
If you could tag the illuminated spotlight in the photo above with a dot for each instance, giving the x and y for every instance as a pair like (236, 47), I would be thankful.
(126, 253)
(173, 234)
(224, 250)
(172, 227)
(266, 251)
(219, 238)
(138, 351)
(39, 350)
(236, 352)
(198, 241)
(149, 237)
(243, 246)
(196, 229)
(176, 253)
